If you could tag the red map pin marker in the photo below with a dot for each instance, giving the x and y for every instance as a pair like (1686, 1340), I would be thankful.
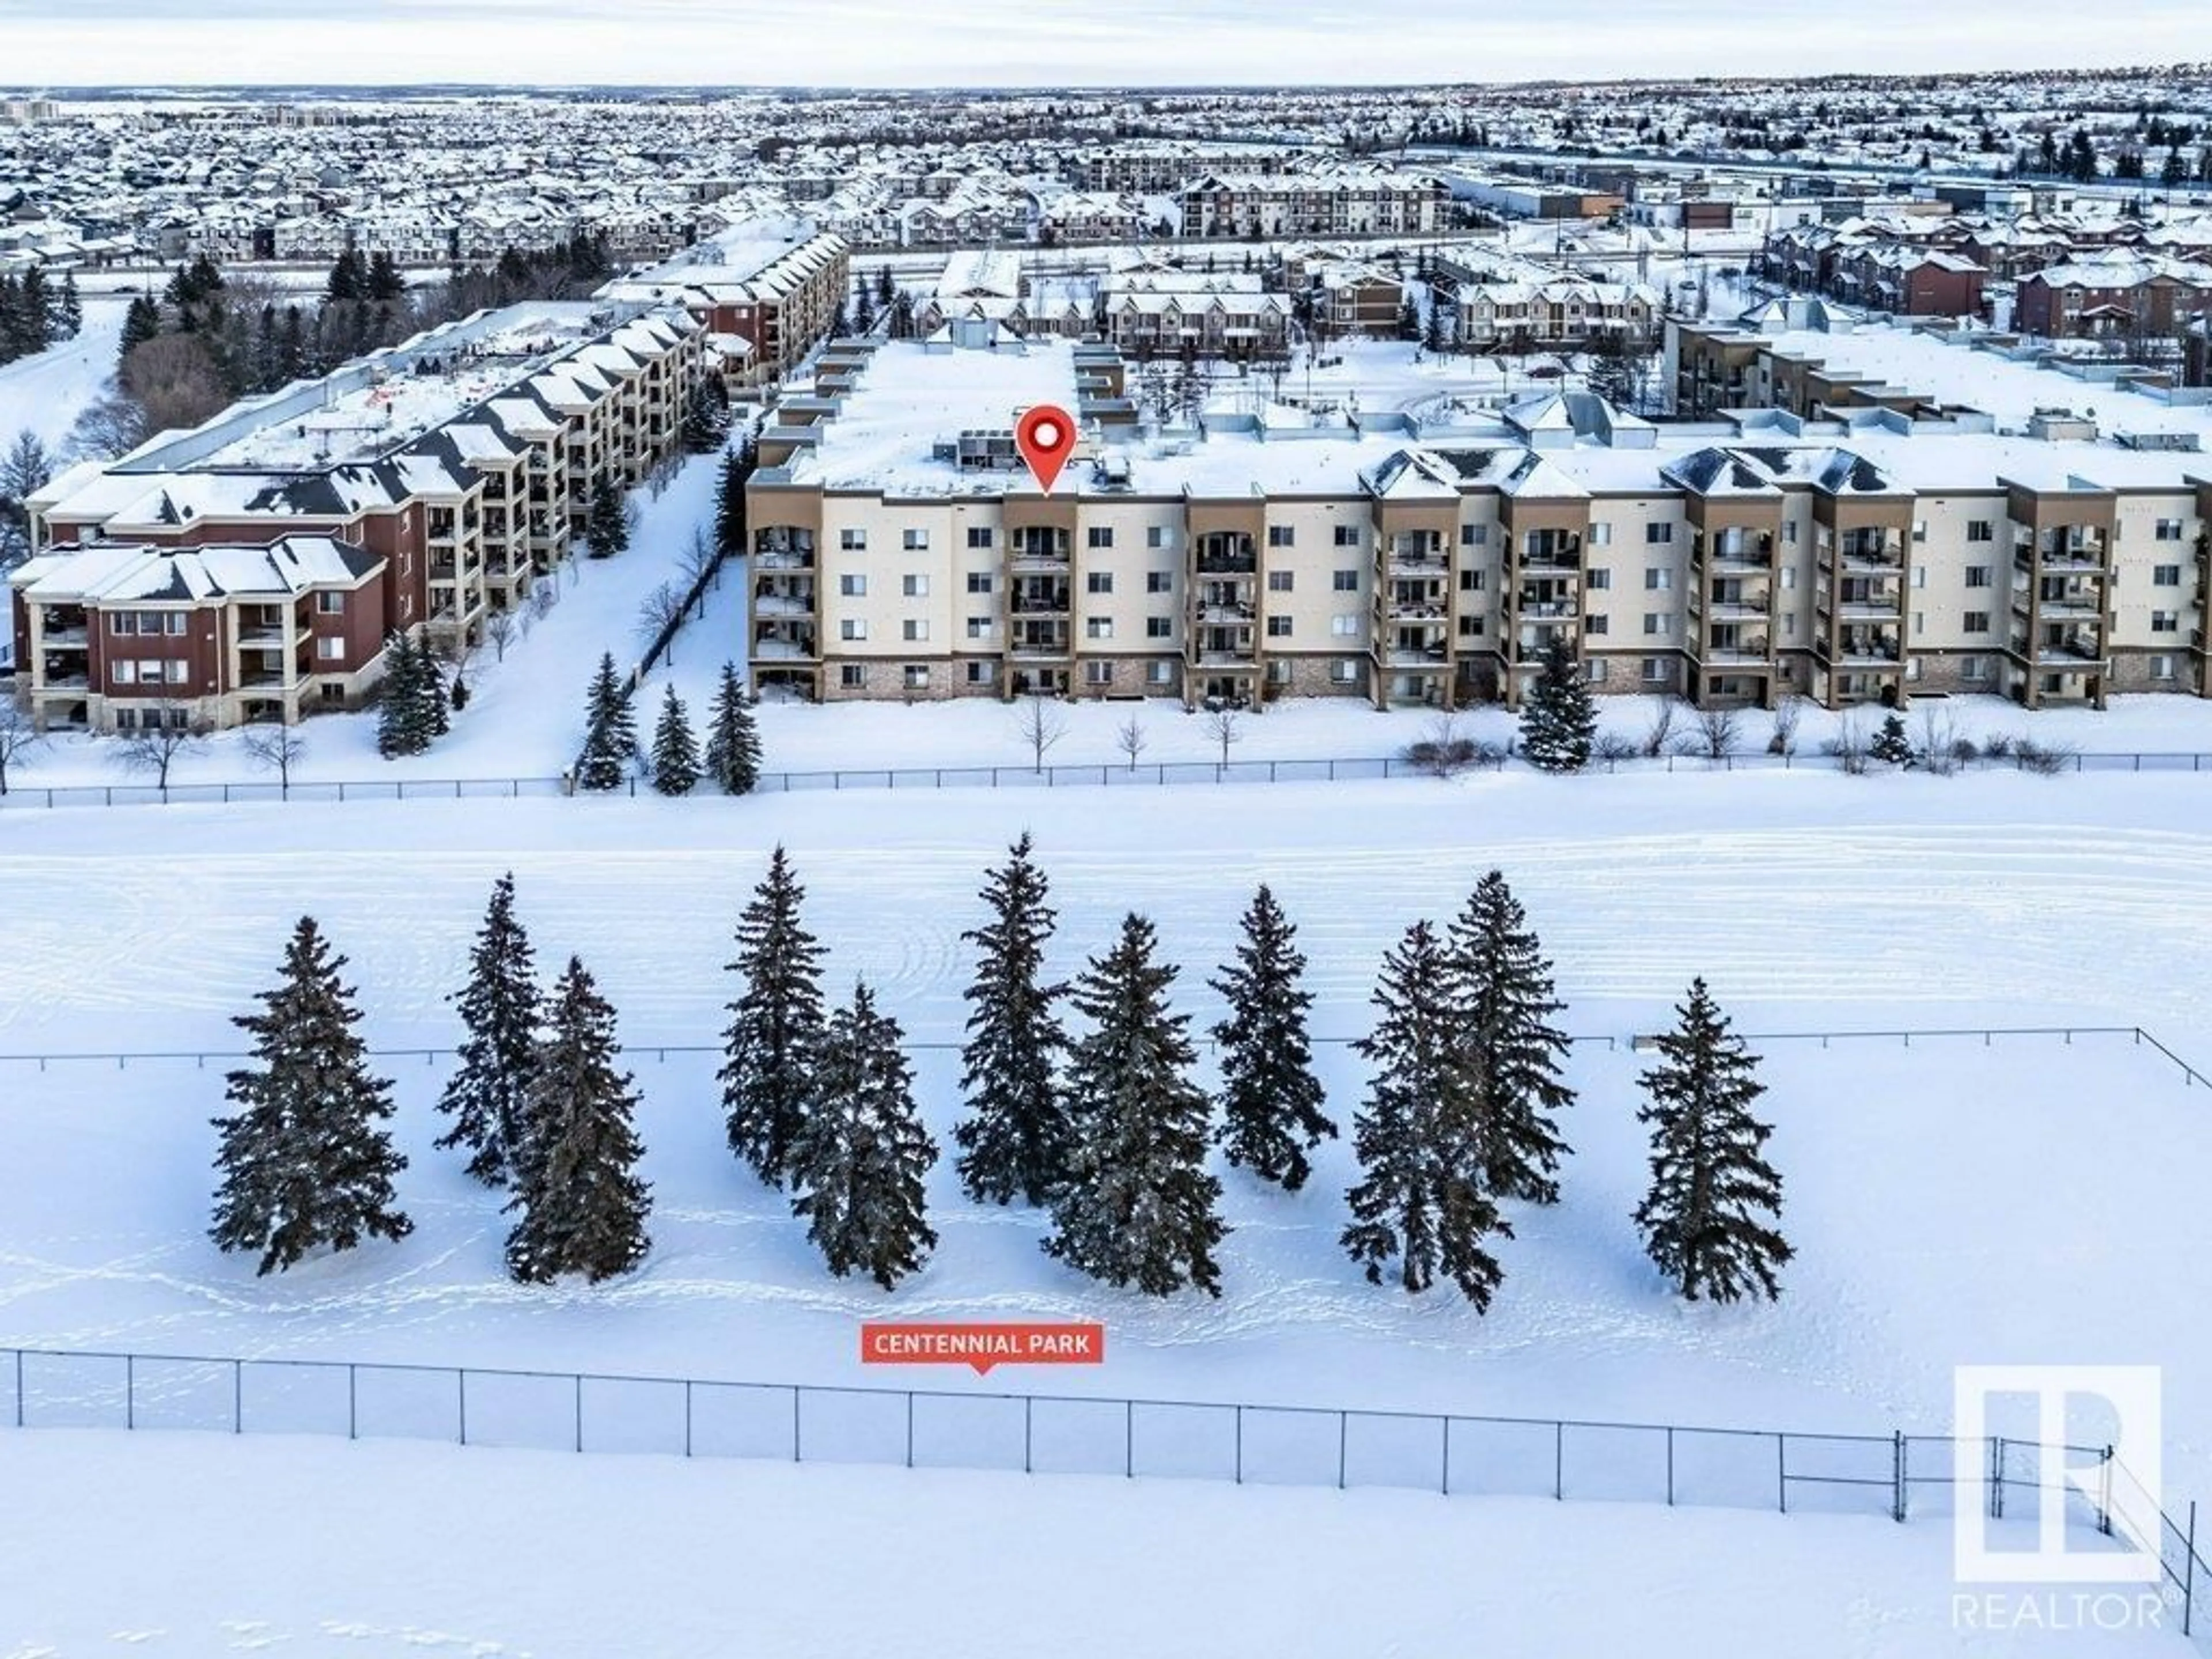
(1046, 437)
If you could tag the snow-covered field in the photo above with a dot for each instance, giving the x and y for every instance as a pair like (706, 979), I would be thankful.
(316, 1549)
(1936, 1195)
(45, 393)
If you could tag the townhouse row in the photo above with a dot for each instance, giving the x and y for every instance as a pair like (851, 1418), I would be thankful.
(259, 562)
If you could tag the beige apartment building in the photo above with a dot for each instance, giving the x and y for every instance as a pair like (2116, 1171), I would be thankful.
(1865, 558)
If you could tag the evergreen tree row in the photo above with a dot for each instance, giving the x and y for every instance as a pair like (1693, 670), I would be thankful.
(730, 757)
(1106, 1129)
(413, 704)
(36, 313)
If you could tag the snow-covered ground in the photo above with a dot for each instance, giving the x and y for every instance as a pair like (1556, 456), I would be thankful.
(44, 394)
(1936, 1195)
(317, 1549)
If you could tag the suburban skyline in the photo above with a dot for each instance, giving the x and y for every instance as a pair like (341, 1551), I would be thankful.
(866, 44)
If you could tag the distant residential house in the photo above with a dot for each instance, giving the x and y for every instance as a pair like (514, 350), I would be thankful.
(2120, 294)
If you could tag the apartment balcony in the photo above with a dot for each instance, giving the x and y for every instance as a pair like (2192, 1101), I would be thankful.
(1741, 611)
(2075, 651)
(1748, 651)
(60, 678)
(1040, 645)
(774, 602)
(783, 642)
(2077, 605)
(1730, 549)
(1564, 556)
(1859, 652)
(2067, 555)
(65, 639)
(1225, 613)
(1037, 559)
(1546, 610)
(1425, 610)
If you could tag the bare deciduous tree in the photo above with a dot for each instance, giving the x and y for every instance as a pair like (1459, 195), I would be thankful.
(660, 611)
(17, 735)
(1941, 750)
(1716, 732)
(110, 426)
(1662, 728)
(166, 733)
(544, 596)
(278, 749)
(1849, 745)
(1787, 714)
(1226, 727)
(503, 628)
(1130, 741)
(1040, 725)
(699, 559)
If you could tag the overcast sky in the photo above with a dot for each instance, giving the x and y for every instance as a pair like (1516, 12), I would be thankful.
(1053, 42)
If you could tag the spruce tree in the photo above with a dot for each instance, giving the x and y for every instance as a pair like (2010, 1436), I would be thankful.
(304, 1161)
(775, 1025)
(859, 1160)
(606, 525)
(1557, 723)
(399, 710)
(1707, 1219)
(1014, 1140)
(432, 711)
(675, 754)
(730, 506)
(142, 321)
(733, 750)
(583, 1207)
(1500, 987)
(1891, 744)
(1271, 1101)
(500, 1008)
(1420, 1202)
(610, 733)
(1138, 1206)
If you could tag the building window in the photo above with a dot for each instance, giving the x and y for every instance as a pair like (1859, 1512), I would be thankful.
(1347, 535)
(1160, 673)
(1098, 628)
(1597, 624)
(1919, 575)
(1920, 530)
(1474, 534)
(126, 719)
(1601, 579)
(2166, 575)
(2165, 621)
(979, 628)
(1345, 626)
(979, 582)
(1156, 535)
(1594, 671)
(1975, 622)
(1600, 533)
(1789, 531)
(914, 627)
(915, 541)
(1279, 581)
(1279, 628)
(1344, 581)
(1658, 624)
(852, 677)
(852, 541)
(915, 587)
(124, 673)
(852, 627)
(1282, 535)
(979, 673)
(1657, 580)
(917, 676)
(1159, 582)
(1979, 530)
(1344, 673)
(1098, 673)
(1974, 670)
(1470, 581)
(1654, 671)
(2166, 530)
(122, 623)
(978, 536)
(1658, 535)
(328, 604)
(328, 650)
(1098, 535)
(1160, 628)
(1977, 575)
(853, 587)
(1099, 582)
(2161, 668)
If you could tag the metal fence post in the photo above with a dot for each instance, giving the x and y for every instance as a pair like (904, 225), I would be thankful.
(579, 1412)
(909, 1428)
(1130, 1439)
(1897, 1473)
(1782, 1472)
(1028, 1462)
(1559, 1460)
(461, 1378)
(1996, 1476)
(2189, 1570)
(238, 1396)
(687, 1417)
(2105, 1492)
(795, 1457)
(1443, 1481)
(1240, 1446)
(19, 1388)
(129, 1391)
(353, 1402)
(1343, 1433)
(1670, 1465)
